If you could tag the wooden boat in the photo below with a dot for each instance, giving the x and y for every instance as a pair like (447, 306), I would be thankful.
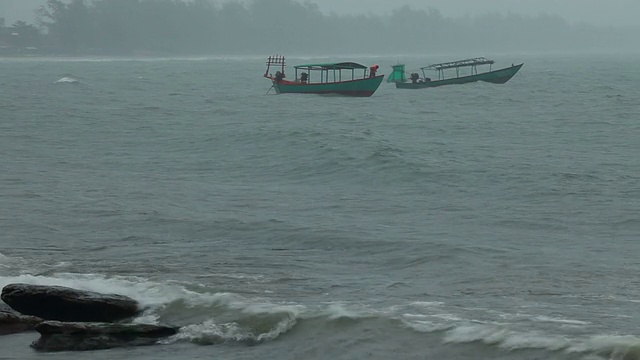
(500, 76)
(343, 78)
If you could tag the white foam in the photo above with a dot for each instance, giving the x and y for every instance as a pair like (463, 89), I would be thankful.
(67, 80)
(269, 308)
(62, 264)
(212, 333)
(194, 299)
(209, 332)
(425, 326)
(410, 316)
(504, 338)
(339, 310)
(9, 262)
(447, 317)
(5, 261)
(518, 341)
(281, 327)
(560, 320)
(236, 276)
(472, 333)
(147, 319)
(427, 304)
(605, 343)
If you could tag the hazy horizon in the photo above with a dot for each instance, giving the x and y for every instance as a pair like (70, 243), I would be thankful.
(155, 27)
(595, 12)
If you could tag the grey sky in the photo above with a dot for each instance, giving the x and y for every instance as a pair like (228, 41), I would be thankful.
(13, 10)
(597, 12)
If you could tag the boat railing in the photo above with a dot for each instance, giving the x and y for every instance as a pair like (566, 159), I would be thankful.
(460, 63)
(472, 63)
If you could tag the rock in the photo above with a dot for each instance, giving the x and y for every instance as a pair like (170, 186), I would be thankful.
(12, 322)
(67, 304)
(59, 336)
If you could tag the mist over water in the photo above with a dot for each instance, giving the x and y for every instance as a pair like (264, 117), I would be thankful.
(594, 12)
(166, 28)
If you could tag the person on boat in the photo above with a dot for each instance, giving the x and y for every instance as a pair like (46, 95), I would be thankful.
(414, 77)
(279, 76)
(373, 70)
(304, 77)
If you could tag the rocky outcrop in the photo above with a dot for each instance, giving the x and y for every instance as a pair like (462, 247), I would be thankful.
(59, 336)
(84, 319)
(67, 304)
(12, 322)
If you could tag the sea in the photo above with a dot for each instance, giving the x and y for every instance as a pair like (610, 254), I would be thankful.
(465, 222)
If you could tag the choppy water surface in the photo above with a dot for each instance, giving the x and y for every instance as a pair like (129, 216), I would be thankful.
(465, 222)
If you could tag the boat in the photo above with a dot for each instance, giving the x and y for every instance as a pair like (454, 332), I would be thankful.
(343, 78)
(499, 76)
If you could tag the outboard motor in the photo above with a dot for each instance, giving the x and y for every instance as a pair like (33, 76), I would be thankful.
(414, 77)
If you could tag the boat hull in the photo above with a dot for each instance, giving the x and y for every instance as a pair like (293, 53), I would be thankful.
(359, 87)
(500, 76)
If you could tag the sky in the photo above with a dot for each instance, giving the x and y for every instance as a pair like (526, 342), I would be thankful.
(14, 10)
(596, 12)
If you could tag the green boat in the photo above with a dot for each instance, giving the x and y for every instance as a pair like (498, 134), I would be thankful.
(342, 78)
(500, 76)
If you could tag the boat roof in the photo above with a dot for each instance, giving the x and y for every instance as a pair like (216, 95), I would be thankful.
(332, 66)
(460, 63)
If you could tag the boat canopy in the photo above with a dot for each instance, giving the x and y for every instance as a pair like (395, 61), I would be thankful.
(459, 63)
(398, 74)
(332, 66)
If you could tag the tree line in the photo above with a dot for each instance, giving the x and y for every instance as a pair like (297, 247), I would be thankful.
(169, 27)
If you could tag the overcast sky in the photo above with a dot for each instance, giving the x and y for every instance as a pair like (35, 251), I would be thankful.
(597, 12)
(13, 10)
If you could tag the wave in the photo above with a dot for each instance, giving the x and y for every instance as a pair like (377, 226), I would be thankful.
(208, 317)
(10, 264)
(210, 332)
(614, 347)
(504, 338)
(67, 80)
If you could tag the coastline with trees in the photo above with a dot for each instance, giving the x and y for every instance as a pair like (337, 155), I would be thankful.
(201, 27)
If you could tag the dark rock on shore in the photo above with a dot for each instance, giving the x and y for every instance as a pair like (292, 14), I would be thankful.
(59, 336)
(67, 304)
(12, 322)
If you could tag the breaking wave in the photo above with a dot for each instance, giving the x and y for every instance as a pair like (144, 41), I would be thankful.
(207, 317)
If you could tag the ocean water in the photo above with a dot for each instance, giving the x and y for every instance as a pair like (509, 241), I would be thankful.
(477, 221)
